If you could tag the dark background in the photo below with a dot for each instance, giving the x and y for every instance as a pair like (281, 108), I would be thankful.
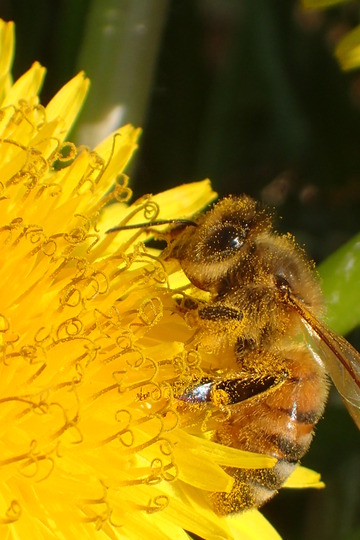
(247, 93)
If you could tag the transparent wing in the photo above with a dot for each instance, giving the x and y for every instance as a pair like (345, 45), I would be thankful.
(341, 360)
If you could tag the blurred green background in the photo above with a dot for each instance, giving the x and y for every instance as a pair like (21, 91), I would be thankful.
(247, 93)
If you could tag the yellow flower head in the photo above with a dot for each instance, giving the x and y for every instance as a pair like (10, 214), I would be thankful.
(91, 349)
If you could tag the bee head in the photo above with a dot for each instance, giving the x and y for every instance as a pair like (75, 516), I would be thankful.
(220, 241)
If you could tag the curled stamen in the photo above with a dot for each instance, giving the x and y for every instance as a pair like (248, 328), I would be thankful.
(12, 514)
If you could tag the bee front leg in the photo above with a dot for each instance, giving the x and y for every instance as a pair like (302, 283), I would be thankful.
(216, 325)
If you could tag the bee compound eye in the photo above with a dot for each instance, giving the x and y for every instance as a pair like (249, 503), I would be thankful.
(225, 240)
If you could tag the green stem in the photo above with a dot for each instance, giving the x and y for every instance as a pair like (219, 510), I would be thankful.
(119, 53)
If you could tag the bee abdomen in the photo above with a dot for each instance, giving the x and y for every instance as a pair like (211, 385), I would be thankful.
(252, 488)
(278, 423)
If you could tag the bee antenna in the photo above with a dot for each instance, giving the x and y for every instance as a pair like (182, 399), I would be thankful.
(152, 224)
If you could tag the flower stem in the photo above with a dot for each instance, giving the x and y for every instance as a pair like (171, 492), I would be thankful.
(119, 54)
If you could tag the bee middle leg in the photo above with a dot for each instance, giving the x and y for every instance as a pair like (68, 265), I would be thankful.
(216, 311)
(219, 312)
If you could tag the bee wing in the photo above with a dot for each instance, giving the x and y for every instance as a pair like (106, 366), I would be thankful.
(341, 360)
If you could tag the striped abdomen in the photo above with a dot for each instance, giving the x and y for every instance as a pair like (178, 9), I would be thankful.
(278, 422)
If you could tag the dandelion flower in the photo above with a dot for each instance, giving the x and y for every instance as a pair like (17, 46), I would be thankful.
(91, 443)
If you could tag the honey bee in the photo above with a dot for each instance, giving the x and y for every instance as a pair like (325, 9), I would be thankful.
(262, 294)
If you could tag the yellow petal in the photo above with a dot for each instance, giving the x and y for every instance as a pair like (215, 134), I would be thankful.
(28, 85)
(6, 56)
(115, 150)
(67, 103)
(304, 478)
(251, 525)
(184, 200)
(225, 455)
(6, 47)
